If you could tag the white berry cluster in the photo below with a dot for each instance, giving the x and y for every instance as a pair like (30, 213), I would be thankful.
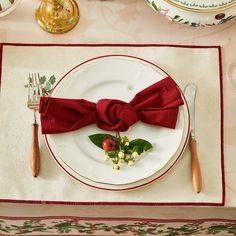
(123, 154)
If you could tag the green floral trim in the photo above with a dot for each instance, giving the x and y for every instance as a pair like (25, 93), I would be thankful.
(81, 227)
(203, 5)
(45, 83)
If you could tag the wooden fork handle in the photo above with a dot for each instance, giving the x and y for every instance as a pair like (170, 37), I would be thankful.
(35, 153)
(196, 171)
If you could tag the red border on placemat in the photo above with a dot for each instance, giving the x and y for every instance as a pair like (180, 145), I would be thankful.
(222, 124)
(1, 52)
(134, 203)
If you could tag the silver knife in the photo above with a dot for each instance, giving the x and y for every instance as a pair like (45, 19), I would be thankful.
(190, 94)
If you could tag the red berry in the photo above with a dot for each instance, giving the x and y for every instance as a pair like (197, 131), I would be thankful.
(109, 144)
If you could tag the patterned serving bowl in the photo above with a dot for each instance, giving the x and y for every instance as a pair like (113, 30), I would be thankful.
(196, 12)
(7, 6)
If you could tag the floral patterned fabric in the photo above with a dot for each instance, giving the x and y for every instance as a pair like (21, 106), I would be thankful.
(96, 226)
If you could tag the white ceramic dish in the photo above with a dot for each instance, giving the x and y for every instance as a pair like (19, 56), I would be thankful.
(97, 79)
(196, 12)
(7, 6)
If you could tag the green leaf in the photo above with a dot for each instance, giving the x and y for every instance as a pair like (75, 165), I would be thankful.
(135, 148)
(154, 6)
(125, 148)
(25, 231)
(125, 139)
(112, 154)
(129, 151)
(52, 79)
(97, 139)
(42, 79)
(140, 145)
(48, 85)
(176, 17)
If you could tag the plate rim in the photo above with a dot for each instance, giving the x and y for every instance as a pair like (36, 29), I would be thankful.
(130, 176)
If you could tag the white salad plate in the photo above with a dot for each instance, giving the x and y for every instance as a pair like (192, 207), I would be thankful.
(196, 13)
(116, 77)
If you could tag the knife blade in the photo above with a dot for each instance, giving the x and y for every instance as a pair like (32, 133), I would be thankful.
(190, 95)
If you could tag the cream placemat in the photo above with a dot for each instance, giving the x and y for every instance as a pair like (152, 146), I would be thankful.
(185, 64)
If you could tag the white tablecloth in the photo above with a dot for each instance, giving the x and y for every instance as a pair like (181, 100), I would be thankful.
(131, 21)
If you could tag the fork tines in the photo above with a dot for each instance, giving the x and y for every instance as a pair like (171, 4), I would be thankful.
(34, 90)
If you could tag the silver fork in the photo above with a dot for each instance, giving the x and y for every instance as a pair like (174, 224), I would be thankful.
(34, 93)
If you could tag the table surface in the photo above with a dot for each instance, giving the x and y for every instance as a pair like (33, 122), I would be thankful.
(132, 21)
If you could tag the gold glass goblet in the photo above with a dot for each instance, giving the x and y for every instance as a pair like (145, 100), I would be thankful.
(57, 16)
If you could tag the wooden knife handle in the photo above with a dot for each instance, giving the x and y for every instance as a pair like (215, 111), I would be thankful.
(196, 171)
(35, 153)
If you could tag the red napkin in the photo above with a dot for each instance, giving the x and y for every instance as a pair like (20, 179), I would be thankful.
(157, 104)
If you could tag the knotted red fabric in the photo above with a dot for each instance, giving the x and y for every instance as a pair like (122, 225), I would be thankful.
(157, 104)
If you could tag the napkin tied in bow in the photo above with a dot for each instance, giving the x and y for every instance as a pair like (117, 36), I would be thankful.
(157, 104)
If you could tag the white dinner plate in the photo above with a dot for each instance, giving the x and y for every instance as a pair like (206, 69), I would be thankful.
(118, 77)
